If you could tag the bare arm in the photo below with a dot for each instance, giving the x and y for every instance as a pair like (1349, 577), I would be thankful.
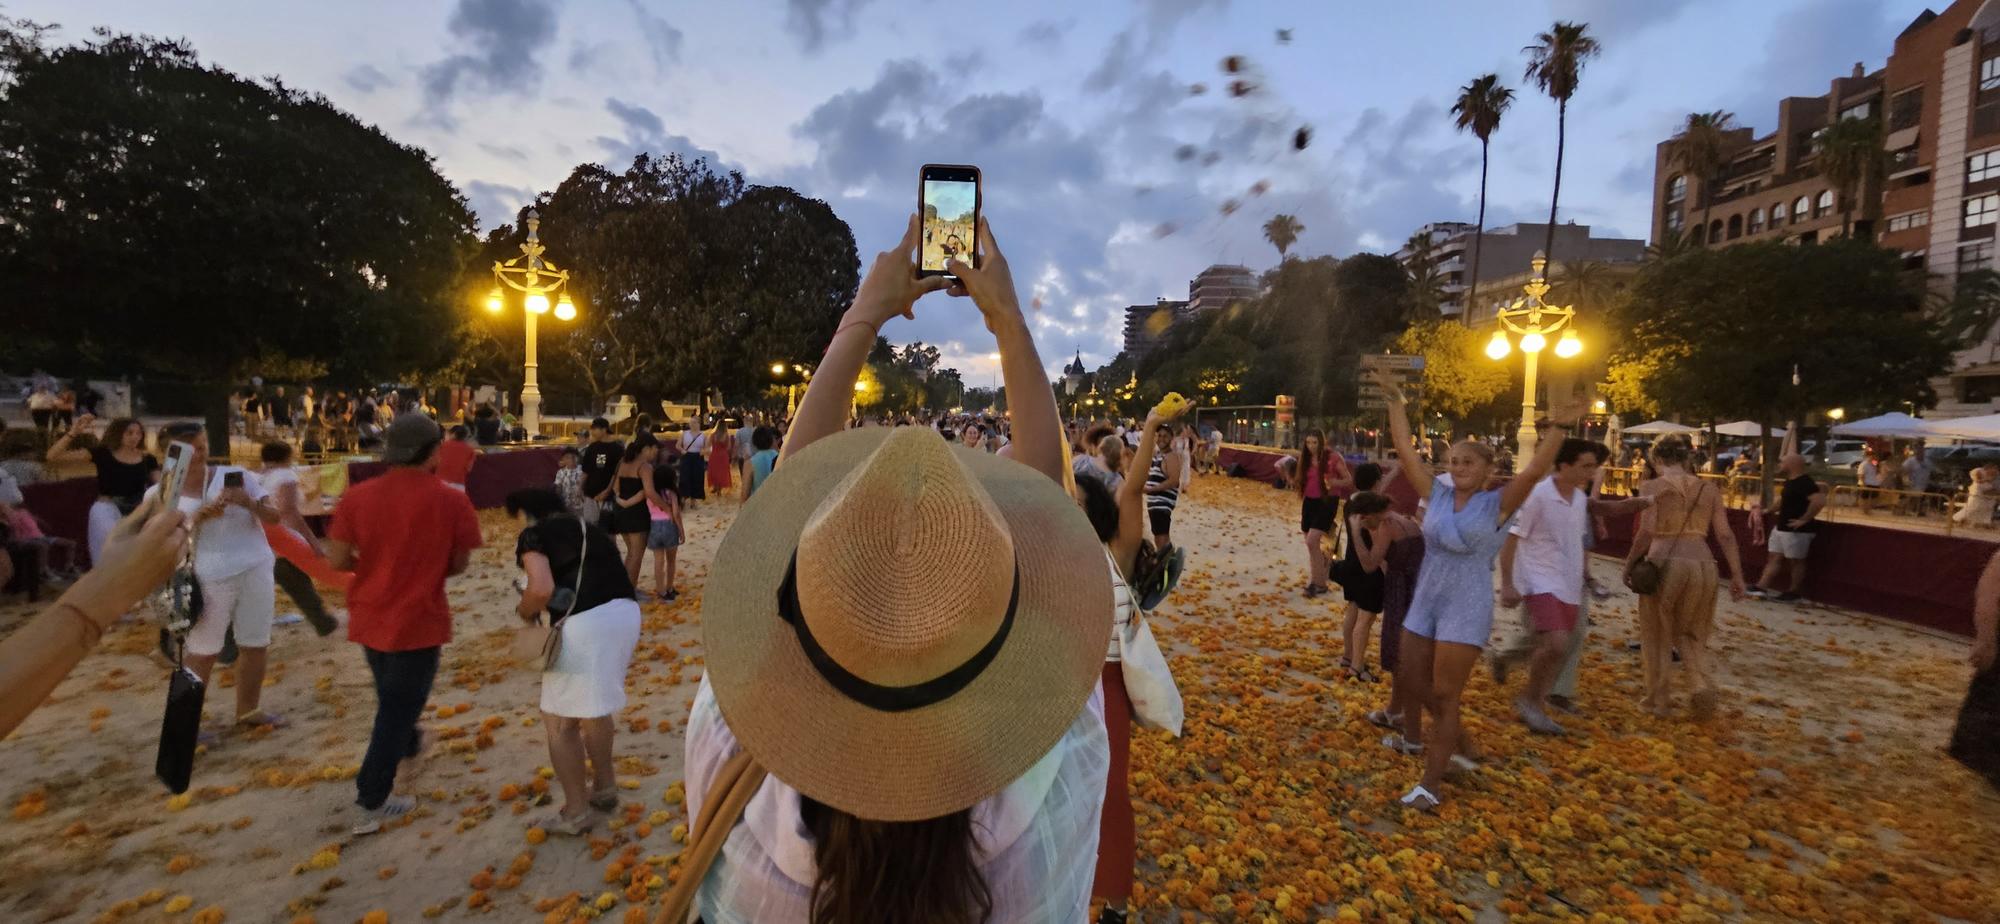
(1132, 499)
(1375, 551)
(1517, 490)
(340, 555)
(1985, 617)
(891, 289)
(287, 498)
(60, 452)
(649, 492)
(1642, 539)
(1037, 428)
(541, 586)
(1399, 429)
(1508, 595)
(1726, 538)
(1619, 508)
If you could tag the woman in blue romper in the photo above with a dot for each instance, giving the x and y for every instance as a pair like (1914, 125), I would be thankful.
(1451, 614)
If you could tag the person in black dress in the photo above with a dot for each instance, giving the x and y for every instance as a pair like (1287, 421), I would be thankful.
(1361, 579)
(1975, 742)
(629, 517)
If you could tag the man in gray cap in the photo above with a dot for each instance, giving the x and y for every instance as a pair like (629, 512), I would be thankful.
(402, 533)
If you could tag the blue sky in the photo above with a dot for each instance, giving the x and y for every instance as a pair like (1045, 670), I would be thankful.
(1107, 178)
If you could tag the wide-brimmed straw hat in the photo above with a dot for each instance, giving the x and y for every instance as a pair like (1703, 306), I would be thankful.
(899, 627)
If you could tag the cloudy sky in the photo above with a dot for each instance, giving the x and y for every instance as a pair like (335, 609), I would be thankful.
(1109, 179)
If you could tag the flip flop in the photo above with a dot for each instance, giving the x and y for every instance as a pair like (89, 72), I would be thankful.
(1421, 799)
(1397, 744)
(1381, 718)
(264, 718)
(556, 823)
(606, 801)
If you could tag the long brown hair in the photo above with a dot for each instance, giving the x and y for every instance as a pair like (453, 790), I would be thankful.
(894, 872)
(1310, 459)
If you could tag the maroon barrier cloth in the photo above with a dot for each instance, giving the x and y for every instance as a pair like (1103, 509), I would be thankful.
(65, 505)
(493, 476)
(1260, 465)
(1921, 578)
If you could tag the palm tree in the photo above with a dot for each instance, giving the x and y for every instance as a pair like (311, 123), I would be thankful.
(1591, 285)
(1670, 245)
(1555, 65)
(1479, 107)
(1425, 294)
(1282, 231)
(1699, 151)
(1851, 158)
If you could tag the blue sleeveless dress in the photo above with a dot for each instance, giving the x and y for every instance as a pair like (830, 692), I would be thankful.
(1454, 598)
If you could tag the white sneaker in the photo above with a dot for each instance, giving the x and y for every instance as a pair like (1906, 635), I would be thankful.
(392, 808)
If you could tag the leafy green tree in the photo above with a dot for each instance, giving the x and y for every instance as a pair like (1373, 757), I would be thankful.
(1459, 378)
(1716, 334)
(172, 220)
(1478, 109)
(1555, 66)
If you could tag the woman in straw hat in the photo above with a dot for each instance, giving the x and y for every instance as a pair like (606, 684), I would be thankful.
(907, 635)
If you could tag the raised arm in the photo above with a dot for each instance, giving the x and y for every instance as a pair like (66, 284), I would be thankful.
(61, 452)
(1412, 467)
(1517, 489)
(892, 288)
(1038, 434)
(1132, 496)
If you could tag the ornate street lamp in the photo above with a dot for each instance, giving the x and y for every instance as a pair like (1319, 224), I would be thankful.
(1534, 320)
(537, 279)
(791, 375)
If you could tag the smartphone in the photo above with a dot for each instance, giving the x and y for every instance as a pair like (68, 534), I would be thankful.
(174, 472)
(232, 479)
(948, 196)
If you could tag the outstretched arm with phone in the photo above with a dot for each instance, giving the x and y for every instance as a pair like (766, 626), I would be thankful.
(1037, 424)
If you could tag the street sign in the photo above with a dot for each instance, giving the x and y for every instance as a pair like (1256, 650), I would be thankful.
(1372, 404)
(1372, 390)
(1392, 361)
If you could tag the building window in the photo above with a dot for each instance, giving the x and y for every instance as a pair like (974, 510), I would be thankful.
(1735, 227)
(1801, 209)
(1906, 109)
(1982, 166)
(1777, 214)
(1825, 206)
(1756, 220)
(1715, 231)
(1859, 110)
(1695, 236)
(1913, 259)
(1674, 220)
(1976, 256)
(1989, 73)
(1677, 189)
(1909, 220)
(1982, 210)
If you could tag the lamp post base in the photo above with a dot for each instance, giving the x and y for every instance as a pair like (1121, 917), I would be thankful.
(531, 410)
(1527, 438)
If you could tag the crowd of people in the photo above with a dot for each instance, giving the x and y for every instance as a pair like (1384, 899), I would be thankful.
(887, 591)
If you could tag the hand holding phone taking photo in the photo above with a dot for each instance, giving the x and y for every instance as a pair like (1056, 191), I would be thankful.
(892, 286)
(948, 198)
(991, 283)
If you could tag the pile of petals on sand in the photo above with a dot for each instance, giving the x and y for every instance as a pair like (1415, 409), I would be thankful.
(1819, 796)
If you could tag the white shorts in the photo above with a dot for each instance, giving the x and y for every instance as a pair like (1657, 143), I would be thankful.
(588, 679)
(1790, 544)
(245, 600)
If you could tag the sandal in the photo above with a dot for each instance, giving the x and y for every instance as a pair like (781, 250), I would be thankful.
(606, 801)
(1363, 675)
(262, 718)
(1381, 718)
(1397, 744)
(1421, 799)
(558, 823)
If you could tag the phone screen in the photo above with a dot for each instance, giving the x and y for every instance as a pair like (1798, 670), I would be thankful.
(950, 199)
(232, 480)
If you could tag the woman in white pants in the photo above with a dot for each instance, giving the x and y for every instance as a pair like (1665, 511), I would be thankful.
(124, 471)
(226, 508)
(577, 580)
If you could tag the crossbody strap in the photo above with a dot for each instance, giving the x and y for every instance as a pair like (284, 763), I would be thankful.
(728, 796)
(582, 559)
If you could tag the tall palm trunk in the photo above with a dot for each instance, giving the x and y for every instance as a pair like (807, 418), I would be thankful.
(1478, 241)
(1562, 121)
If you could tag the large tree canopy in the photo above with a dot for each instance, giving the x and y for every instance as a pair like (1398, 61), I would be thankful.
(1716, 334)
(690, 279)
(162, 217)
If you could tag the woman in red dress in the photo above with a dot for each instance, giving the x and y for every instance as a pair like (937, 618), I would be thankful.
(721, 443)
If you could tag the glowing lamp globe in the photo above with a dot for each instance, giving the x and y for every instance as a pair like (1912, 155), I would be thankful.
(1569, 345)
(494, 300)
(1498, 347)
(1532, 342)
(537, 303)
(565, 309)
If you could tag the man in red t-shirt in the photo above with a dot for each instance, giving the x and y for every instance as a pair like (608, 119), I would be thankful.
(402, 533)
(455, 458)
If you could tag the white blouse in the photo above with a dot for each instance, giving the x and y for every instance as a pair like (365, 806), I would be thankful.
(1036, 839)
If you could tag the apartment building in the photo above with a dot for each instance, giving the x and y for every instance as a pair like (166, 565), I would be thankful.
(1939, 97)
(1505, 251)
(1145, 325)
(1220, 286)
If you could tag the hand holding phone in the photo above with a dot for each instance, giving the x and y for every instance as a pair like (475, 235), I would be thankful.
(891, 287)
(991, 283)
(949, 199)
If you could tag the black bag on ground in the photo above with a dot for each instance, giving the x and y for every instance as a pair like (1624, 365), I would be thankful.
(179, 730)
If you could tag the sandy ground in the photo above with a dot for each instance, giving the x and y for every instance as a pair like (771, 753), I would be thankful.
(1821, 793)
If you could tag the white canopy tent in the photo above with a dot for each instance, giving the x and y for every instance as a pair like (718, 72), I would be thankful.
(1659, 428)
(1985, 428)
(1894, 425)
(1749, 428)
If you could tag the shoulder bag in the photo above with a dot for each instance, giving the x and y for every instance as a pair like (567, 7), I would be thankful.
(738, 781)
(1149, 682)
(540, 643)
(1643, 574)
